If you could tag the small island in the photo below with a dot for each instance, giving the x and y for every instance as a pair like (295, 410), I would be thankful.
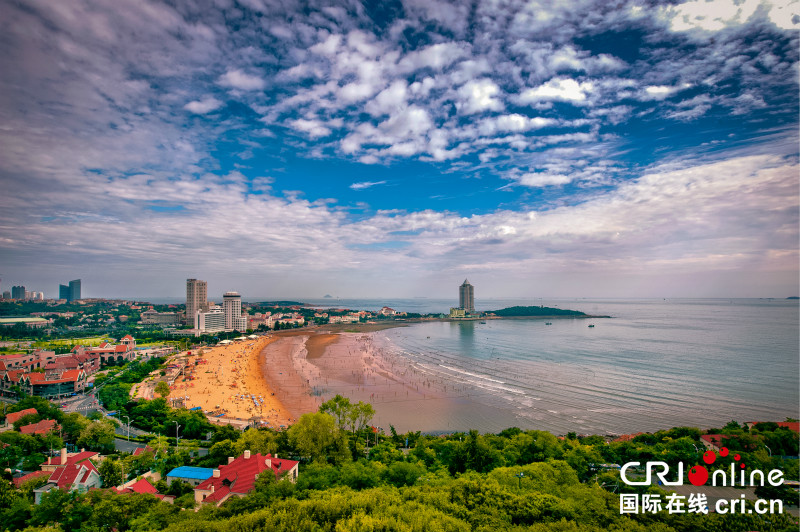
(538, 312)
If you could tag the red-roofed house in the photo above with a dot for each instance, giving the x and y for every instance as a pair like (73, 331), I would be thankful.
(791, 425)
(114, 353)
(143, 486)
(71, 473)
(19, 481)
(13, 417)
(714, 441)
(41, 428)
(238, 477)
(55, 385)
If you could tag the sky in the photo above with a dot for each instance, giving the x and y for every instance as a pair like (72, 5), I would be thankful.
(392, 149)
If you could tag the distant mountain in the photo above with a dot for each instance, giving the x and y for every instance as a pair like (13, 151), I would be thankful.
(328, 296)
(536, 311)
(793, 297)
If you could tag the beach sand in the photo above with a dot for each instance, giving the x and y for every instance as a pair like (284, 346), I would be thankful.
(306, 368)
(227, 383)
(293, 372)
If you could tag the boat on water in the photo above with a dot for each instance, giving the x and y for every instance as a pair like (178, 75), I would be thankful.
(548, 323)
(591, 325)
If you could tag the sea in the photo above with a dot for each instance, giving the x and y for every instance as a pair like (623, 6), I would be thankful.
(653, 364)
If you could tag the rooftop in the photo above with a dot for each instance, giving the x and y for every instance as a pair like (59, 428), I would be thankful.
(200, 473)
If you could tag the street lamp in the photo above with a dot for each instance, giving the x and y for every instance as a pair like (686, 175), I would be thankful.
(770, 451)
(519, 477)
(176, 432)
(129, 427)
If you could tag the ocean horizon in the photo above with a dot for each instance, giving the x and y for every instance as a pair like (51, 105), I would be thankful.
(655, 364)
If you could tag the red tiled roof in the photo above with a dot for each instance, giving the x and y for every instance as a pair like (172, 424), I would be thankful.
(63, 363)
(140, 450)
(14, 416)
(121, 348)
(142, 486)
(715, 439)
(239, 476)
(127, 337)
(65, 477)
(36, 474)
(42, 427)
(628, 437)
(791, 425)
(74, 459)
(218, 495)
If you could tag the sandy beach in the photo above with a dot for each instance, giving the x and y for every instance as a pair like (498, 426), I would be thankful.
(227, 383)
(276, 379)
(306, 368)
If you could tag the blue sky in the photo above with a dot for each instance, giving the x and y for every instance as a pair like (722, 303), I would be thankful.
(541, 149)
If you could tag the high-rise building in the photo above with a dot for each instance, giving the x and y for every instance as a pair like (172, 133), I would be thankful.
(18, 292)
(466, 296)
(6, 295)
(232, 305)
(71, 292)
(196, 298)
(74, 290)
(211, 320)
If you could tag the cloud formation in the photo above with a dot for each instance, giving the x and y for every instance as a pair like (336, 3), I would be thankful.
(569, 139)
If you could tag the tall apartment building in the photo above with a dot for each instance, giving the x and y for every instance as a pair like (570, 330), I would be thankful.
(71, 292)
(232, 305)
(18, 292)
(466, 296)
(196, 299)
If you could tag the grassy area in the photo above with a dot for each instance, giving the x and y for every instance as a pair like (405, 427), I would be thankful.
(92, 341)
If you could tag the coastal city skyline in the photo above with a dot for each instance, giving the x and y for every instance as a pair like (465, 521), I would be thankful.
(382, 150)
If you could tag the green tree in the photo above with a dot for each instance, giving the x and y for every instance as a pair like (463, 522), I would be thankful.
(98, 436)
(312, 434)
(111, 472)
(257, 441)
(162, 389)
(72, 425)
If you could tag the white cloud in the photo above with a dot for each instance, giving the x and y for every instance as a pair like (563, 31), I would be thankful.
(479, 96)
(543, 179)
(660, 92)
(435, 56)
(515, 123)
(238, 79)
(314, 128)
(389, 100)
(201, 107)
(559, 89)
(366, 184)
(722, 14)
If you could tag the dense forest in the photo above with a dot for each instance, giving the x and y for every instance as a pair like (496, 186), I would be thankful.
(354, 479)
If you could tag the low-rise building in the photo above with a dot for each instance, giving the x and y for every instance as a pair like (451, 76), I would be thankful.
(152, 317)
(13, 417)
(41, 428)
(70, 472)
(238, 477)
(190, 475)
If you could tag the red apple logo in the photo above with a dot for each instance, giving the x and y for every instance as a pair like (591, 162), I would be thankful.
(698, 475)
(709, 457)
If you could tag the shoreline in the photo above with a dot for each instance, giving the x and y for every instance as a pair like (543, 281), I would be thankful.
(227, 383)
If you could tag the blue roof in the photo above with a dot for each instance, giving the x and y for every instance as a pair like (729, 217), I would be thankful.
(199, 473)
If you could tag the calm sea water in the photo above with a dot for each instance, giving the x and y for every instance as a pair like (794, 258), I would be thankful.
(656, 364)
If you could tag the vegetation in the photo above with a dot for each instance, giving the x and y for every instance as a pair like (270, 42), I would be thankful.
(536, 311)
(354, 479)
